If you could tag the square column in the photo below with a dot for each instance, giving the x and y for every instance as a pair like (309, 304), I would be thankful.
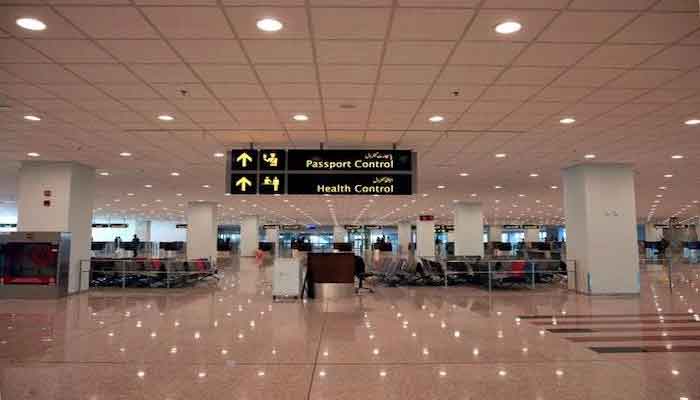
(404, 232)
(70, 189)
(532, 235)
(272, 235)
(495, 233)
(249, 236)
(469, 230)
(339, 234)
(601, 227)
(425, 238)
(651, 233)
(142, 229)
(201, 230)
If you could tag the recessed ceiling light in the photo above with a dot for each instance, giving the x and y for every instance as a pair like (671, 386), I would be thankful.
(178, 194)
(269, 25)
(668, 176)
(659, 195)
(174, 173)
(554, 187)
(534, 175)
(218, 155)
(463, 174)
(130, 194)
(125, 154)
(104, 173)
(206, 186)
(436, 118)
(567, 120)
(166, 117)
(693, 122)
(500, 155)
(521, 195)
(508, 27)
(300, 117)
(677, 156)
(589, 156)
(148, 186)
(440, 186)
(33, 154)
(32, 24)
(32, 118)
(662, 188)
(498, 187)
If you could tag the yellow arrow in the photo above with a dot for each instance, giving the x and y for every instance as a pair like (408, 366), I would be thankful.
(244, 183)
(244, 159)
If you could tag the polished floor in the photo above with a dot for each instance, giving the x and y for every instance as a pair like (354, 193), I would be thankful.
(230, 341)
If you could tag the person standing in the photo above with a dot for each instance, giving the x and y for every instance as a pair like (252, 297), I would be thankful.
(135, 242)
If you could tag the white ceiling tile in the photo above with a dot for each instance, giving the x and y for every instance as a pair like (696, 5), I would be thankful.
(147, 51)
(396, 106)
(440, 106)
(42, 73)
(210, 51)
(129, 91)
(103, 73)
(286, 73)
(688, 80)
(470, 74)
(613, 95)
(639, 79)
(439, 3)
(529, 76)
(619, 55)
(509, 93)
(59, 28)
(680, 57)
(346, 91)
(494, 107)
(666, 95)
(248, 105)
(532, 24)
(417, 53)
(582, 27)
(12, 50)
(110, 22)
(658, 28)
(293, 19)
(429, 24)
(295, 106)
(457, 92)
(676, 5)
(237, 90)
(519, 4)
(179, 91)
(386, 91)
(164, 73)
(189, 22)
(350, 23)
(347, 73)
(70, 51)
(587, 77)
(408, 74)
(24, 91)
(605, 5)
(279, 51)
(562, 94)
(221, 73)
(486, 53)
(553, 54)
(348, 52)
(292, 90)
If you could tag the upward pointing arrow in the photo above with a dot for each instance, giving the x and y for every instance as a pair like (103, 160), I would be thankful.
(244, 183)
(244, 159)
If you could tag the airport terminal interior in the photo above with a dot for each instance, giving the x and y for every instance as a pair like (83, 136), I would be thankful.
(349, 199)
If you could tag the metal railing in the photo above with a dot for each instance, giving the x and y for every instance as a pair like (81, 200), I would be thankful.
(151, 273)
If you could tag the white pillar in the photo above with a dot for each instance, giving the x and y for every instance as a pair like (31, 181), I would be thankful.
(201, 230)
(339, 234)
(404, 232)
(601, 227)
(142, 229)
(70, 189)
(651, 234)
(425, 238)
(272, 235)
(469, 230)
(495, 233)
(249, 236)
(532, 235)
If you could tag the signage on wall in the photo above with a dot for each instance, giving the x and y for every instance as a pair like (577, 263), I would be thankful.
(118, 225)
(352, 227)
(530, 226)
(314, 172)
(8, 225)
(271, 226)
(373, 227)
(444, 228)
(100, 225)
(292, 227)
(426, 217)
(181, 226)
(512, 226)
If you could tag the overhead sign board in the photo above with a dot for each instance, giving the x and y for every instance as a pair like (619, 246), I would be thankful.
(512, 226)
(328, 172)
(292, 227)
(350, 160)
(349, 184)
(181, 226)
(530, 226)
(352, 227)
(426, 217)
(271, 227)
(444, 228)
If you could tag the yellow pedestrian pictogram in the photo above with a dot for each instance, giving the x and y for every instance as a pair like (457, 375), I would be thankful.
(244, 183)
(275, 182)
(244, 159)
(271, 159)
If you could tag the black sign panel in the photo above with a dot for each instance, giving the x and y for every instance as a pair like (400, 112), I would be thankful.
(244, 183)
(664, 226)
(531, 227)
(511, 227)
(271, 226)
(444, 228)
(372, 227)
(8, 225)
(349, 184)
(244, 160)
(181, 226)
(271, 183)
(292, 227)
(100, 225)
(118, 225)
(273, 160)
(352, 227)
(350, 160)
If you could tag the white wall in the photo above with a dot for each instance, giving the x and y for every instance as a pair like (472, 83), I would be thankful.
(469, 230)
(249, 236)
(425, 238)
(201, 230)
(404, 232)
(161, 231)
(165, 231)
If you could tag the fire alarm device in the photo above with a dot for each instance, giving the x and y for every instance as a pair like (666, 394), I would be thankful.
(47, 193)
